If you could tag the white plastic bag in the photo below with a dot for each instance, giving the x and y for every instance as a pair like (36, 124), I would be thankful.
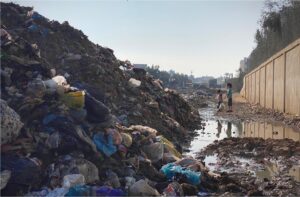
(134, 83)
(71, 180)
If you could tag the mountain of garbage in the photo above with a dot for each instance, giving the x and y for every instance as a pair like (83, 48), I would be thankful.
(76, 121)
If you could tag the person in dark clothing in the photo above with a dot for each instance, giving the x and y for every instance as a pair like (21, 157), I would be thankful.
(229, 128)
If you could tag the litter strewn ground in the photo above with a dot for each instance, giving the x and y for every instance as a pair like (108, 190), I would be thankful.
(76, 121)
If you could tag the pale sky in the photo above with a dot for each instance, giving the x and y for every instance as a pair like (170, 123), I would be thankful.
(205, 37)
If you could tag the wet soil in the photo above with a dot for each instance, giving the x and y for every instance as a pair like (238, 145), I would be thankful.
(254, 156)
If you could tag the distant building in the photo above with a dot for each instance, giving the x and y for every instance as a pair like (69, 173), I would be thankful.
(140, 66)
(212, 83)
(202, 80)
(189, 84)
(220, 81)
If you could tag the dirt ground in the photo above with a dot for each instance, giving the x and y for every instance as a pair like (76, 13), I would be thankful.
(259, 167)
(245, 111)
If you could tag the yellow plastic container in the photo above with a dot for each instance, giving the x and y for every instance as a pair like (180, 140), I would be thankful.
(74, 99)
(170, 147)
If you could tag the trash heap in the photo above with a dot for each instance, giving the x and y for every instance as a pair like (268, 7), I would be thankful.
(59, 49)
(75, 121)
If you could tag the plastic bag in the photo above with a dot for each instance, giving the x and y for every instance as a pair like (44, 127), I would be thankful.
(88, 170)
(154, 152)
(70, 165)
(71, 180)
(57, 83)
(134, 83)
(141, 188)
(79, 190)
(113, 179)
(173, 189)
(57, 192)
(4, 178)
(53, 141)
(85, 138)
(105, 145)
(117, 137)
(126, 139)
(171, 169)
(108, 191)
(144, 129)
(169, 146)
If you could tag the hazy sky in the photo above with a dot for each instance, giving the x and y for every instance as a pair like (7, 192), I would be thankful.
(205, 37)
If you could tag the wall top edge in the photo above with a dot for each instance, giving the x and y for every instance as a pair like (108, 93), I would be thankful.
(275, 56)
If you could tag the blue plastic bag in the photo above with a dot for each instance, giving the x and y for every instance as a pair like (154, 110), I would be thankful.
(170, 170)
(79, 190)
(51, 117)
(36, 15)
(33, 28)
(105, 145)
(109, 191)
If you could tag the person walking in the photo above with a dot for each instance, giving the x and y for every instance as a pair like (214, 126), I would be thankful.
(229, 97)
(220, 99)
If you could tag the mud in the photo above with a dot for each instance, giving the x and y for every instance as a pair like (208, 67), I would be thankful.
(270, 167)
(255, 156)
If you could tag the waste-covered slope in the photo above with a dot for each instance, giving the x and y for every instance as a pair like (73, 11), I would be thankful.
(76, 119)
(68, 50)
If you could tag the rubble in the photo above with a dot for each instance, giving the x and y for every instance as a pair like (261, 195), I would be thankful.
(244, 159)
(10, 123)
(77, 123)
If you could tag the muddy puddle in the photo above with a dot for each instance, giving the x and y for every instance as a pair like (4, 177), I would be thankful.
(216, 128)
(264, 170)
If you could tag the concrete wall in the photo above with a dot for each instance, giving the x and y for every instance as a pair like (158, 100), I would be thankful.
(257, 81)
(262, 92)
(279, 83)
(269, 85)
(275, 84)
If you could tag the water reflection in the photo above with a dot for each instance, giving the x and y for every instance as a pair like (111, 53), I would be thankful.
(219, 129)
(266, 130)
(213, 130)
(229, 128)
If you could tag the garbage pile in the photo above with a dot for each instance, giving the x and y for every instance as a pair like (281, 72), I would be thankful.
(131, 94)
(75, 121)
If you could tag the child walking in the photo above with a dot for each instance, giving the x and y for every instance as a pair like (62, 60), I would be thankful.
(220, 99)
(229, 96)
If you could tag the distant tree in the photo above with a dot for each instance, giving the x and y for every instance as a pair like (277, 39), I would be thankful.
(279, 26)
(170, 78)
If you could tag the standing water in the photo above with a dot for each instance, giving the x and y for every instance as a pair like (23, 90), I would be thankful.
(218, 128)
